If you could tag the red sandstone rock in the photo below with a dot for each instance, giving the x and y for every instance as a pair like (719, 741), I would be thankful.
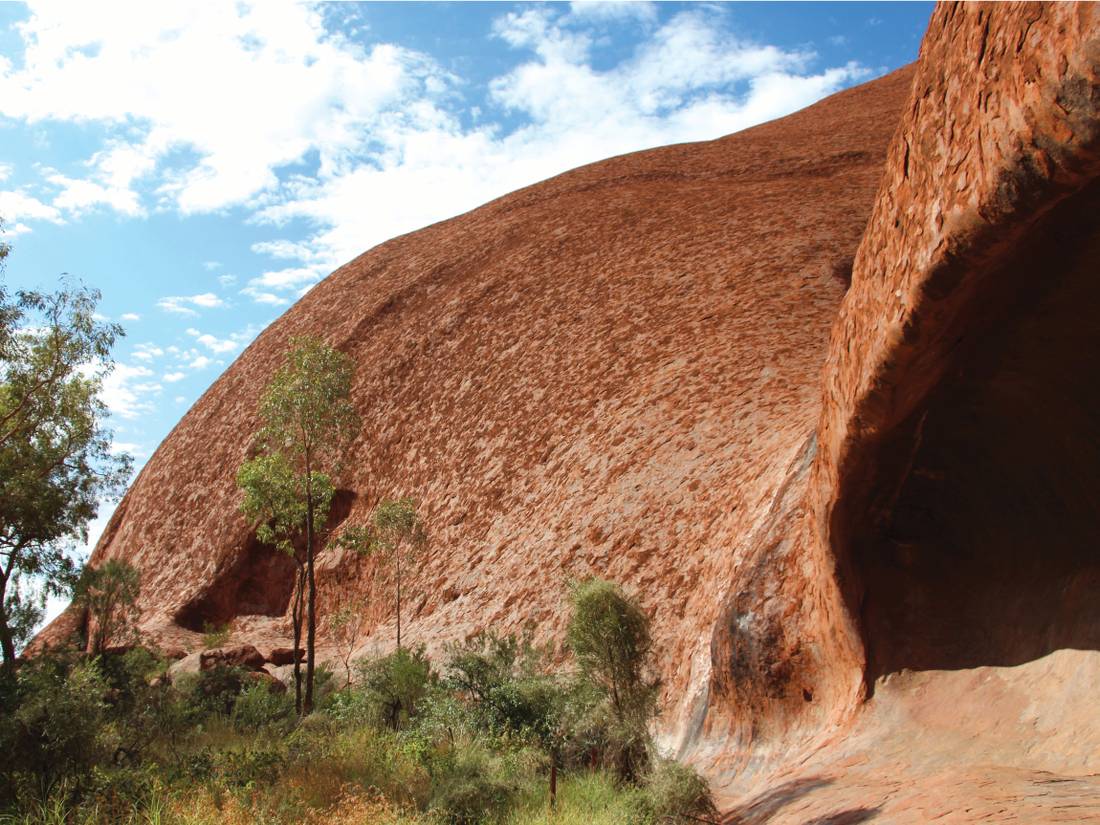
(283, 655)
(607, 373)
(868, 552)
(245, 656)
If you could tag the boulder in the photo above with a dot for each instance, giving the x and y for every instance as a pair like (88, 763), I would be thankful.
(192, 663)
(243, 656)
(279, 656)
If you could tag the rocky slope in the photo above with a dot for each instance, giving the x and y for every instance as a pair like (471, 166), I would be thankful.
(864, 519)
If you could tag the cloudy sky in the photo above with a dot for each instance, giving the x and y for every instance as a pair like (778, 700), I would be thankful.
(204, 164)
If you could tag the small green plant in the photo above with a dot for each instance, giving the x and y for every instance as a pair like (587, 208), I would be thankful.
(392, 687)
(214, 635)
(212, 691)
(472, 786)
(259, 708)
(673, 793)
(57, 726)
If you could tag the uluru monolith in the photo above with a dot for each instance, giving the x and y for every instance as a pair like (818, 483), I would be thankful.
(822, 393)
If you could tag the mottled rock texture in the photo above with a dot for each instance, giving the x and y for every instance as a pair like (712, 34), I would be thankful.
(865, 521)
(941, 588)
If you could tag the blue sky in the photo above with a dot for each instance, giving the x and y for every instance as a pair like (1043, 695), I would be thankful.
(205, 164)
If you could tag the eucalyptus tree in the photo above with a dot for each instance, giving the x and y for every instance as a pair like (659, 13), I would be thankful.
(609, 636)
(109, 593)
(56, 459)
(398, 535)
(309, 423)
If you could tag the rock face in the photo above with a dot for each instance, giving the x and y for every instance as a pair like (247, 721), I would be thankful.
(863, 519)
(610, 372)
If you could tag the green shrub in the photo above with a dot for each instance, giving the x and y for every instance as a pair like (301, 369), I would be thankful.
(471, 786)
(250, 765)
(610, 639)
(258, 708)
(392, 687)
(109, 593)
(54, 727)
(214, 690)
(673, 792)
(506, 684)
(136, 697)
(113, 792)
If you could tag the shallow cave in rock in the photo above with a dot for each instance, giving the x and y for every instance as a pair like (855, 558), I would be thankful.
(259, 582)
(976, 538)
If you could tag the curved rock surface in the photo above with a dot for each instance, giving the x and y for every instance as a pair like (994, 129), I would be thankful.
(864, 519)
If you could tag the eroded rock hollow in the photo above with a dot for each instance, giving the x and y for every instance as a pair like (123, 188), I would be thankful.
(822, 393)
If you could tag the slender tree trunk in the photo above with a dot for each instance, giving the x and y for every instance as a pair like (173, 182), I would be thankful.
(553, 782)
(7, 642)
(296, 621)
(397, 561)
(311, 606)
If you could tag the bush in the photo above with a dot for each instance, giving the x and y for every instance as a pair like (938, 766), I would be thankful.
(214, 690)
(109, 593)
(250, 765)
(506, 684)
(471, 786)
(55, 727)
(258, 708)
(609, 636)
(393, 686)
(673, 792)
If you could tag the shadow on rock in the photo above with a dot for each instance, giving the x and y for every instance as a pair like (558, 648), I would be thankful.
(850, 817)
(768, 804)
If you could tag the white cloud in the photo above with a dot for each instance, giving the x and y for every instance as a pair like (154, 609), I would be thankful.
(126, 394)
(210, 266)
(17, 205)
(178, 304)
(200, 362)
(218, 345)
(261, 297)
(207, 300)
(613, 10)
(272, 85)
(689, 79)
(294, 280)
(285, 250)
(130, 316)
(227, 280)
(290, 120)
(173, 377)
(147, 351)
(77, 196)
(5, 171)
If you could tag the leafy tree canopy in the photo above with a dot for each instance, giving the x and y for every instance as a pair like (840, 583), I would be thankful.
(56, 461)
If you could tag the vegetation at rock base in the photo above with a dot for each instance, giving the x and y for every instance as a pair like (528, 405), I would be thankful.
(472, 738)
(101, 732)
